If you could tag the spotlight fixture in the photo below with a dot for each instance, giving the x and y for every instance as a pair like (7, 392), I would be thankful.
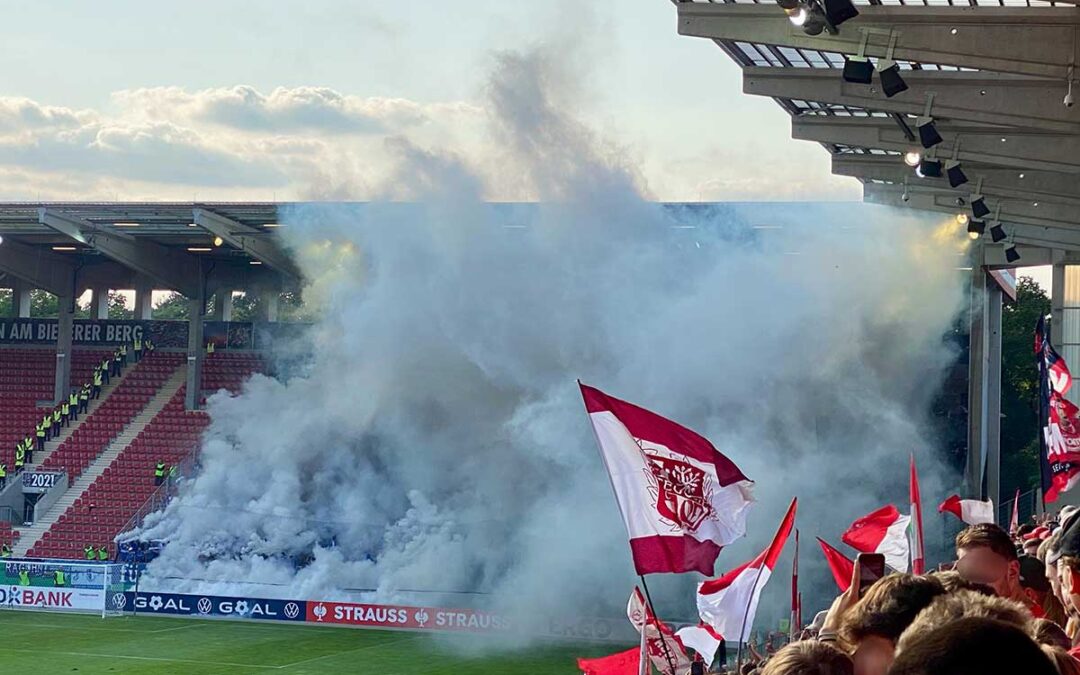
(955, 173)
(962, 218)
(858, 69)
(815, 21)
(912, 158)
(1, 240)
(218, 241)
(891, 82)
(839, 11)
(1011, 254)
(997, 233)
(798, 15)
(976, 228)
(929, 168)
(978, 206)
(928, 133)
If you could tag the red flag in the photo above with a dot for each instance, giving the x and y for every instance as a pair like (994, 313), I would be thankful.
(681, 500)
(623, 663)
(840, 565)
(1014, 522)
(1062, 440)
(918, 561)
(971, 511)
(883, 531)
(724, 602)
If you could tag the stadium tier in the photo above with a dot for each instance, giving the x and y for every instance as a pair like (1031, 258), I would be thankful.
(139, 421)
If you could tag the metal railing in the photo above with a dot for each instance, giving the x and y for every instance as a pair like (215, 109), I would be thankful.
(164, 493)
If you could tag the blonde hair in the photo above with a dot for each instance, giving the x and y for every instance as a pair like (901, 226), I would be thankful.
(964, 604)
(809, 658)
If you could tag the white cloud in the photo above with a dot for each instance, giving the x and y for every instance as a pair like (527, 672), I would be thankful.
(284, 110)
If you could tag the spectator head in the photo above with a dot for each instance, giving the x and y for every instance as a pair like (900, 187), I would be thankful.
(1024, 529)
(809, 658)
(960, 605)
(876, 622)
(953, 582)
(986, 555)
(1048, 633)
(1033, 577)
(973, 645)
(1068, 562)
(1065, 663)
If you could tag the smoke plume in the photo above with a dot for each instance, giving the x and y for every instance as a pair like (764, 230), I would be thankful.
(435, 442)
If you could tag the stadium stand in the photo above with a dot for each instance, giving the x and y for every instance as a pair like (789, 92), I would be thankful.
(98, 430)
(101, 512)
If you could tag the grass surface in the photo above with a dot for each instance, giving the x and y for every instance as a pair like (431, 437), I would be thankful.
(39, 643)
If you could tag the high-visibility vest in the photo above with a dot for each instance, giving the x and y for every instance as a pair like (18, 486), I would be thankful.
(74, 398)
(89, 552)
(65, 409)
(172, 471)
(47, 422)
(19, 459)
(5, 551)
(105, 364)
(159, 470)
(40, 430)
(123, 350)
(97, 378)
(138, 344)
(3, 470)
(116, 356)
(209, 347)
(84, 395)
(28, 443)
(24, 578)
(58, 578)
(56, 416)
(103, 553)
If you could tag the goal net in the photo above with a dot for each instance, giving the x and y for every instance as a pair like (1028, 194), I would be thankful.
(87, 587)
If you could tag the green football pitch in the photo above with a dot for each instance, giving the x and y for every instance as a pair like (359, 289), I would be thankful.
(39, 643)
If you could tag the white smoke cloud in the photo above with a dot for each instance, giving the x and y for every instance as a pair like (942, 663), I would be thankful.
(437, 438)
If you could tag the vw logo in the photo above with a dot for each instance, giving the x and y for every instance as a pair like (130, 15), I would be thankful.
(204, 606)
(292, 610)
(119, 600)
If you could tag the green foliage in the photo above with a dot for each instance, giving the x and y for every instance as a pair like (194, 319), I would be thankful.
(1020, 388)
(5, 302)
(173, 307)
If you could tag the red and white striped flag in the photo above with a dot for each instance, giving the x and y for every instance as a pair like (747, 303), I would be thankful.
(883, 531)
(664, 648)
(681, 500)
(702, 638)
(971, 511)
(918, 559)
(1014, 521)
(726, 601)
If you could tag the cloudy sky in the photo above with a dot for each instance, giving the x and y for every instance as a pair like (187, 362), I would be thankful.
(285, 100)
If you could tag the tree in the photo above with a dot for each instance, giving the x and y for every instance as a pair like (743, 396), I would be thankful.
(6, 308)
(1020, 388)
(43, 304)
(173, 307)
(118, 309)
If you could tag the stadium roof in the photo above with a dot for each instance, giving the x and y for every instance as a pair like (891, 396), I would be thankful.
(993, 76)
(185, 247)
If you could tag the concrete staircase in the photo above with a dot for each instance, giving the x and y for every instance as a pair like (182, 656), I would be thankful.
(29, 536)
(106, 390)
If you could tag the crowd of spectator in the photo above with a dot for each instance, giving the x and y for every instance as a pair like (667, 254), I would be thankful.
(1009, 604)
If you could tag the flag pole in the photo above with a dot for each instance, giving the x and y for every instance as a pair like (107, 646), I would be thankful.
(746, 615)
(652, 609)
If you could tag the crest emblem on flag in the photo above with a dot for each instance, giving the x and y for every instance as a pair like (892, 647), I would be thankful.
(681, 492)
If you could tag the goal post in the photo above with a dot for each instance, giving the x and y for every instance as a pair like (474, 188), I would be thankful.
(84, 587)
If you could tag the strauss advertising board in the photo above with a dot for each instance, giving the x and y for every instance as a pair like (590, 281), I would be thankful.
(398, 616)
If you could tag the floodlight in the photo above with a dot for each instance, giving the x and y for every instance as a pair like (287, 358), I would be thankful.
(997, 233)
(979, 207)
(891, 82)
(815, 21)
(1011, 254)
(839, 11)
(976, 228)
(962, 218)
(928, 133)
(929, 168)
(955, 173)
(218, 241)
(858, 70)
(798, 15)
(912, 158)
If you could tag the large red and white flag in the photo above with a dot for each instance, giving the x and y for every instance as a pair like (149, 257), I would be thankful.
(918, 559)
(664, 648)
(729, 603)
(681, 500)
(971, 511)
(703, 639)
(841, 566)
(883, 531)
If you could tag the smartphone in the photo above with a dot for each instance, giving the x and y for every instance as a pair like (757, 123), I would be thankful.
(946, 566)
(871, 568)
